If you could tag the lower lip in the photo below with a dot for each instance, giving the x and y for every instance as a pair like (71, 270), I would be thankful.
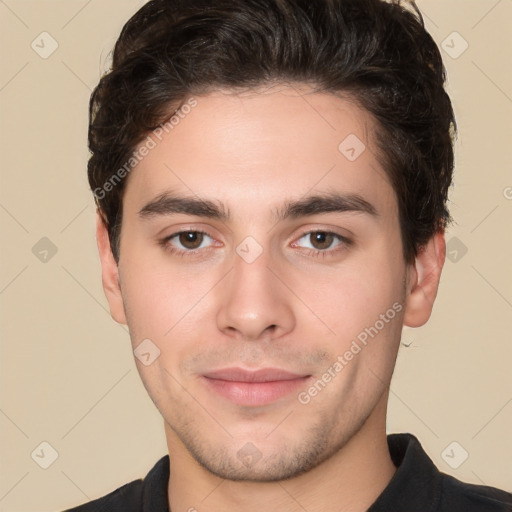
(255, 393)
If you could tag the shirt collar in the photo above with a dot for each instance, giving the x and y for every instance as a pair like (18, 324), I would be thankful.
(416, 480)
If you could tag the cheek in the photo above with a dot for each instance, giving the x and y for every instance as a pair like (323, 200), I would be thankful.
(352, 297)
(165, 303)
(152, 297)
(162, 308)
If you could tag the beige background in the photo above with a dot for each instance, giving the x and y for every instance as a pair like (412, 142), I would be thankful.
(68, 375)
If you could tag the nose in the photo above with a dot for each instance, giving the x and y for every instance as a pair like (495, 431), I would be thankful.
(255, 304)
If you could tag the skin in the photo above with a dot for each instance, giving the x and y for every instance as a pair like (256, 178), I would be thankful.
(288, 309)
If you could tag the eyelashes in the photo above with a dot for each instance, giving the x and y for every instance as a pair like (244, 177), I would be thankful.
(330, 235)
(197, 237)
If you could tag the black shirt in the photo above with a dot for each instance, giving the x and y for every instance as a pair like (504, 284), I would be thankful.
(416, 486)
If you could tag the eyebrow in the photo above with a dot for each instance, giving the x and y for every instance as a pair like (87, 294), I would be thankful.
(167, 204)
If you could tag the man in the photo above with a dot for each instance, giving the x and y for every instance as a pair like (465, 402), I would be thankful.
(271, 179)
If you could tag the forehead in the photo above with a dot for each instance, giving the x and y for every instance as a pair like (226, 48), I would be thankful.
(260, 147)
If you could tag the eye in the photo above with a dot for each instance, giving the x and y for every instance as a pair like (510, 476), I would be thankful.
(192, 242)
(321, 242)
(185, 242)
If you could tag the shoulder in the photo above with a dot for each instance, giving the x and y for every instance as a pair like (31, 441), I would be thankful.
(418, 485)
(458, 495)
(135, 496)
(127, 498)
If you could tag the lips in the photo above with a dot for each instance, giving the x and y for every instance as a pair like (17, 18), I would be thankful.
(253, 388)
(262, 375)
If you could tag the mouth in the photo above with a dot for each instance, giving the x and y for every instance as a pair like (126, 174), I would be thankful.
(254, 388)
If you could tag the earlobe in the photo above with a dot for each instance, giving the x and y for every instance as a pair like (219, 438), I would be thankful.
(109, 272)
(423, 281)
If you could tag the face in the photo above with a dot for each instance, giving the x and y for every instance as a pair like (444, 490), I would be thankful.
(269, 304)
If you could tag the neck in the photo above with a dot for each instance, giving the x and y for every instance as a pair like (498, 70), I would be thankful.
(350, 480)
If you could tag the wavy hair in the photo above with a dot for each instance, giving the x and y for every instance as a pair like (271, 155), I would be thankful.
(377, 52)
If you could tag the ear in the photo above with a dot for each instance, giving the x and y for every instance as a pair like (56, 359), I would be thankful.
(423, 281)
(109, 272)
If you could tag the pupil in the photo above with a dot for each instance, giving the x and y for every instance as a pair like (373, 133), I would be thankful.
(323, 239)
(191, 237)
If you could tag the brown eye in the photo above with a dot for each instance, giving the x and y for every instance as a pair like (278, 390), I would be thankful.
(189, 244)
(322, 243)
(191, 239)
(321, 239)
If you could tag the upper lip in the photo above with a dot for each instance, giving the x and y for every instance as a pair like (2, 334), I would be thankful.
(261, 375)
